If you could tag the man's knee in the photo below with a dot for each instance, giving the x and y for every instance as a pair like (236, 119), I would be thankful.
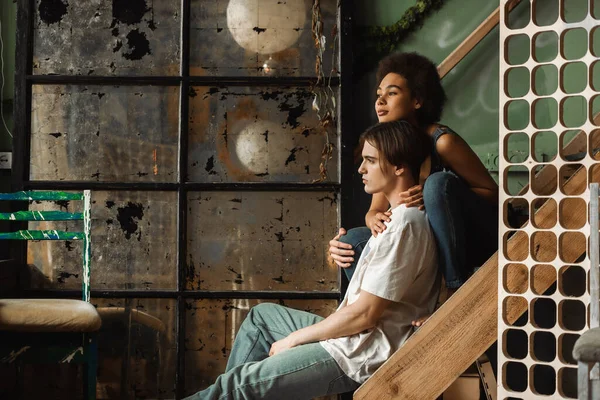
(356, 236)
(439, 186)
(259, 311)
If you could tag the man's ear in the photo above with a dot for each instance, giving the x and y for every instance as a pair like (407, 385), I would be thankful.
(399, 171)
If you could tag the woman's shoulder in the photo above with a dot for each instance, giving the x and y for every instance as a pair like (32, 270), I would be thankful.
(441, 130)
(445, 137)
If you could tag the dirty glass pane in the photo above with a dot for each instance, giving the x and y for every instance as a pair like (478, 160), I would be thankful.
(102, 37)
(250, 134)
(211, 326)
(261, 241)
(104, 133)
(137, 348)
(134, 244)
(260, 37)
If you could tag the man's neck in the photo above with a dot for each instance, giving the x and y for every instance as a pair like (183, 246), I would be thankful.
(402, 184)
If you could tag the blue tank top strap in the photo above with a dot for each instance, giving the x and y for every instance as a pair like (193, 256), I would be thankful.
(439, 132)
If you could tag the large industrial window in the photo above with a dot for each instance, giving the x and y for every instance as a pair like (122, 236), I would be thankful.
(209, 132)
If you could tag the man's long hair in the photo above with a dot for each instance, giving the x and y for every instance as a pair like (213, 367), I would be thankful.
(399, 143)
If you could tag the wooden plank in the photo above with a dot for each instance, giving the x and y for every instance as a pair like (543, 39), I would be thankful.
(40, 216)
(466, 325)
(471, 41)
(594, 257)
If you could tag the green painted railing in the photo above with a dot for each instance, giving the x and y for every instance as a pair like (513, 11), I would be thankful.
(42, 235)
(40, 216)
(31, 234)
(50, 196)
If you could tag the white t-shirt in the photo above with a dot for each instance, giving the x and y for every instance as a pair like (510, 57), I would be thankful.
(400, 265)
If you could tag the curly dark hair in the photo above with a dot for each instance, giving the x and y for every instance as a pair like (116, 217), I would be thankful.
(423, 82)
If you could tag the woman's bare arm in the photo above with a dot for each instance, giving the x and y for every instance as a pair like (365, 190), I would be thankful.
(460, 158)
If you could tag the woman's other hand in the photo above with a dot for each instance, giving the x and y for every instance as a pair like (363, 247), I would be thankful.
(413, 197)
(375, 221)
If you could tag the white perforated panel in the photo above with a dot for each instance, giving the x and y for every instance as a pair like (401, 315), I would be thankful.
(549, 136)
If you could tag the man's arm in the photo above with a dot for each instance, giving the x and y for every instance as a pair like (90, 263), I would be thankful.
(359, 316)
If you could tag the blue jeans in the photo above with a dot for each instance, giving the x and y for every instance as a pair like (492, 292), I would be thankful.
(464, 224)
(303, 372)
(358, 238)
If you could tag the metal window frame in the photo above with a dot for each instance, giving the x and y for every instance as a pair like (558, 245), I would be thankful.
(24, 81)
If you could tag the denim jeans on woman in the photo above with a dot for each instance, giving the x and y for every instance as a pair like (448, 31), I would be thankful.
(302, 372)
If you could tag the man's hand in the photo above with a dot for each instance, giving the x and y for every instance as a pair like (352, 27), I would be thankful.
(341, 252)
(375, 221)
(281, 345)
(413, 197)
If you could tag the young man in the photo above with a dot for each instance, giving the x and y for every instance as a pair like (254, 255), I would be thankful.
(284, 353)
